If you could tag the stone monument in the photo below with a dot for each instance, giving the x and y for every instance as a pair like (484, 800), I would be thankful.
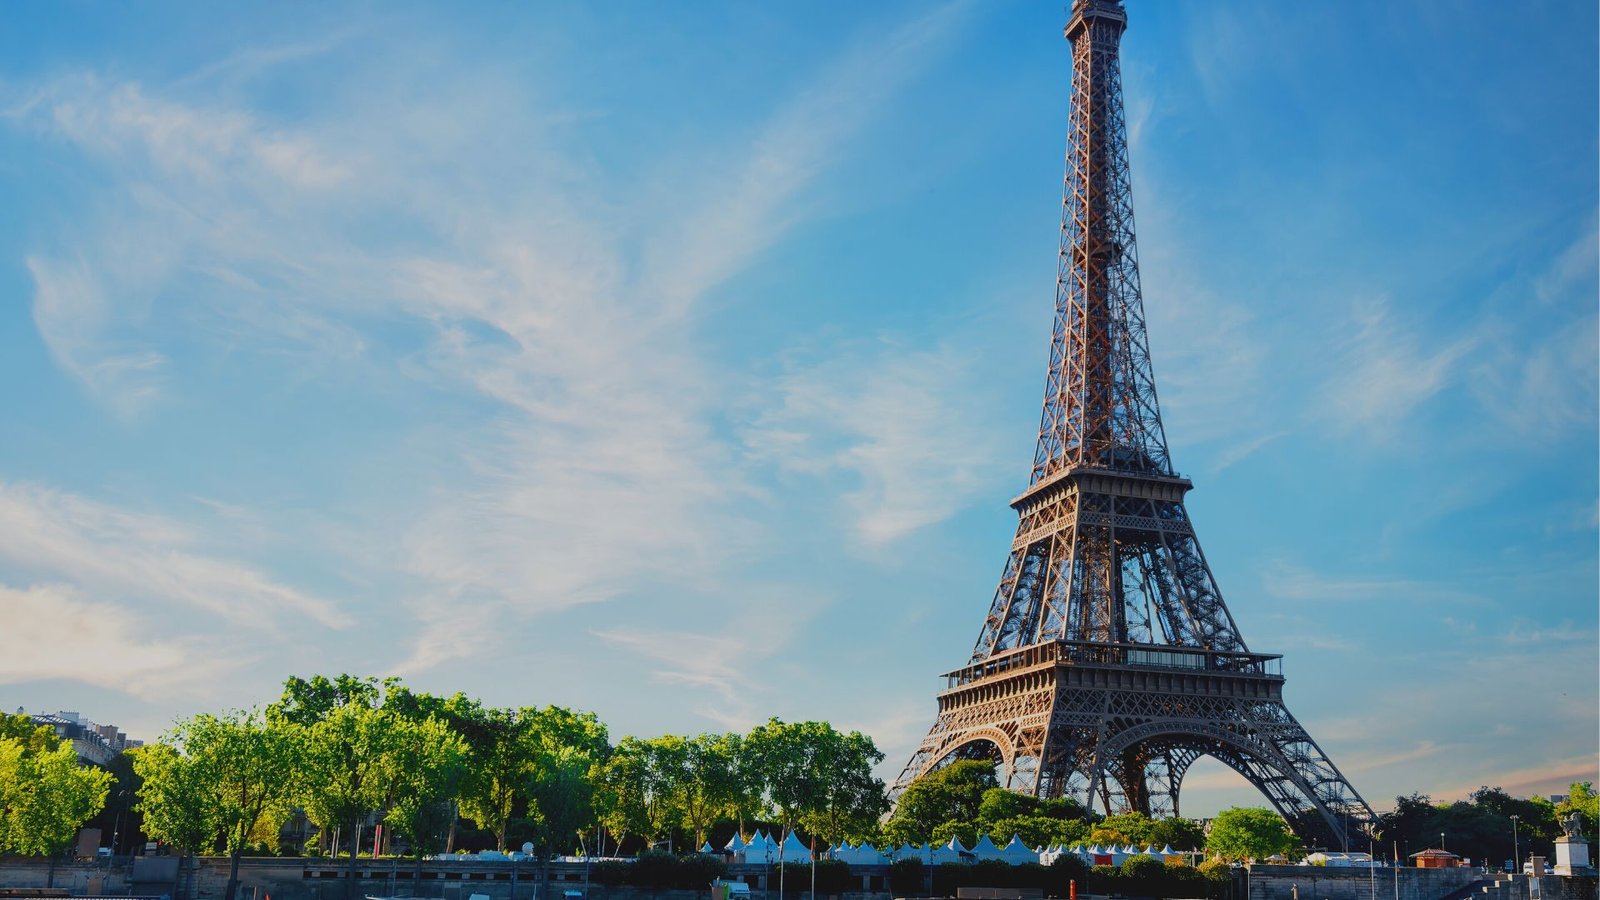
(1572, 849)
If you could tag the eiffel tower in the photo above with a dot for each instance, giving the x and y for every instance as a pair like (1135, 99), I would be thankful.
(1108, 662)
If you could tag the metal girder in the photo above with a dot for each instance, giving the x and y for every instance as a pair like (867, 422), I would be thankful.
(1109, 662)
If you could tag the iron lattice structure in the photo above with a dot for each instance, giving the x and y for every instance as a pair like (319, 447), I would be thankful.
(1109, 662)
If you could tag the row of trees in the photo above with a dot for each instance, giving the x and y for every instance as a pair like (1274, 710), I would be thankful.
(1481, 827)
(964, 800)
(345, 751)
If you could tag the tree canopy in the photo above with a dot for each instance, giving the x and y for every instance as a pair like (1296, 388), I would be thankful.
(1249, 833)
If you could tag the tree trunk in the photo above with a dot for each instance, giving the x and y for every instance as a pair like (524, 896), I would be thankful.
(416, 875)
(350, 869)
(233, 875)
(50, 879)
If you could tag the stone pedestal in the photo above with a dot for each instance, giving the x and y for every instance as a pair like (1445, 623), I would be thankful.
(1572, 856)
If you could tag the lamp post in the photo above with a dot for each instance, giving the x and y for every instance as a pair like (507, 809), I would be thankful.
(1516, 846)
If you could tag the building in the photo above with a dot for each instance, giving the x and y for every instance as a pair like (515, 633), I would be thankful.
(95, 744)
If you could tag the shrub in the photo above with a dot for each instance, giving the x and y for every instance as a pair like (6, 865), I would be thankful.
(610, 872)
(653, 869)
(1068, 867)
(1142, 867)
(697, 870)
(794, 876)
(1031, 875)
(992, 873)
(907, 877)
(1102, 880)
(949, 876)
(833, 877)
(1216, 869)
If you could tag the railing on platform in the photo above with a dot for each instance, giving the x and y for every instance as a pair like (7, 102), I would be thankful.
(1143, 656)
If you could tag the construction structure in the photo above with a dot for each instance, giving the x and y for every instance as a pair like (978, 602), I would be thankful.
(1108, 662)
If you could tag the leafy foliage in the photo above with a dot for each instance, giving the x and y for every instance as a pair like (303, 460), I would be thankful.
(44, 794)
(1243, 833)
(1479, 827)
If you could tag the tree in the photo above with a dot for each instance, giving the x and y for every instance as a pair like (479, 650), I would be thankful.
(850, 799)
(427, 765)
(789, 782)
(561, 794)
(954, 793)
(173, 799)
(306, 702)
(246, 769)
(621, 799)
(45, 796)
(1581, 799)
(499, 765)
(349, 762)
(1249, 833)
(662, 771)
(1037, 831)
(709, 784)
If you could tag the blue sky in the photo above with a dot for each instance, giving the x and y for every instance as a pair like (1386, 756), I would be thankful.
(677, 361)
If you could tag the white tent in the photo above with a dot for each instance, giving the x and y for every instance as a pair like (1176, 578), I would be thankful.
(951, 852)
(794, 851)
(985, 848)
(735, 844)
(707, 849)
(1017, 853)
(864, 855)
(758, 849)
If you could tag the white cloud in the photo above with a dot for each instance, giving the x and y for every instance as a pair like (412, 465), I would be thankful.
(742, 214)
(905, 424)
(596, 469)
(128, 555)
(1385, 372)
(70, 311)
(53, 633)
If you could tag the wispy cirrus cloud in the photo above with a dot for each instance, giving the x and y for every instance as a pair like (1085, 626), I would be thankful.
(53, 632)
(59, 536)
(1388, 371)
(595, 468)
(904, 425)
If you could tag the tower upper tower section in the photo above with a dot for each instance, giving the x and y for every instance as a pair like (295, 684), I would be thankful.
(1100, 408)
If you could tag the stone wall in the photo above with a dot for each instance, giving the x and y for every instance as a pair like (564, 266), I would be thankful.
(313, 879)
(1319, 883)
(321, 879)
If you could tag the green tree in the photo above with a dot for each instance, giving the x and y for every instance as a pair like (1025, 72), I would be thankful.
(1249, 833)
(1037, 831)
(307, 701)
(663, 772)
(1581, 799)
(710, 782)
(349, 759)
(45, 796)
(850, 799)
(1177, 833)
(561, 792)
(246, 768)
(954, 793)
(173, 799)
(789, 783)
(621, 798)
(427, 765)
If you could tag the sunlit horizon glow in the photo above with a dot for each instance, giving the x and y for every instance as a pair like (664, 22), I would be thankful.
(678, 363)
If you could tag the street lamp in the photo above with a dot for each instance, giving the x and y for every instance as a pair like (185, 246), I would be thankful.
(1516, 848)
